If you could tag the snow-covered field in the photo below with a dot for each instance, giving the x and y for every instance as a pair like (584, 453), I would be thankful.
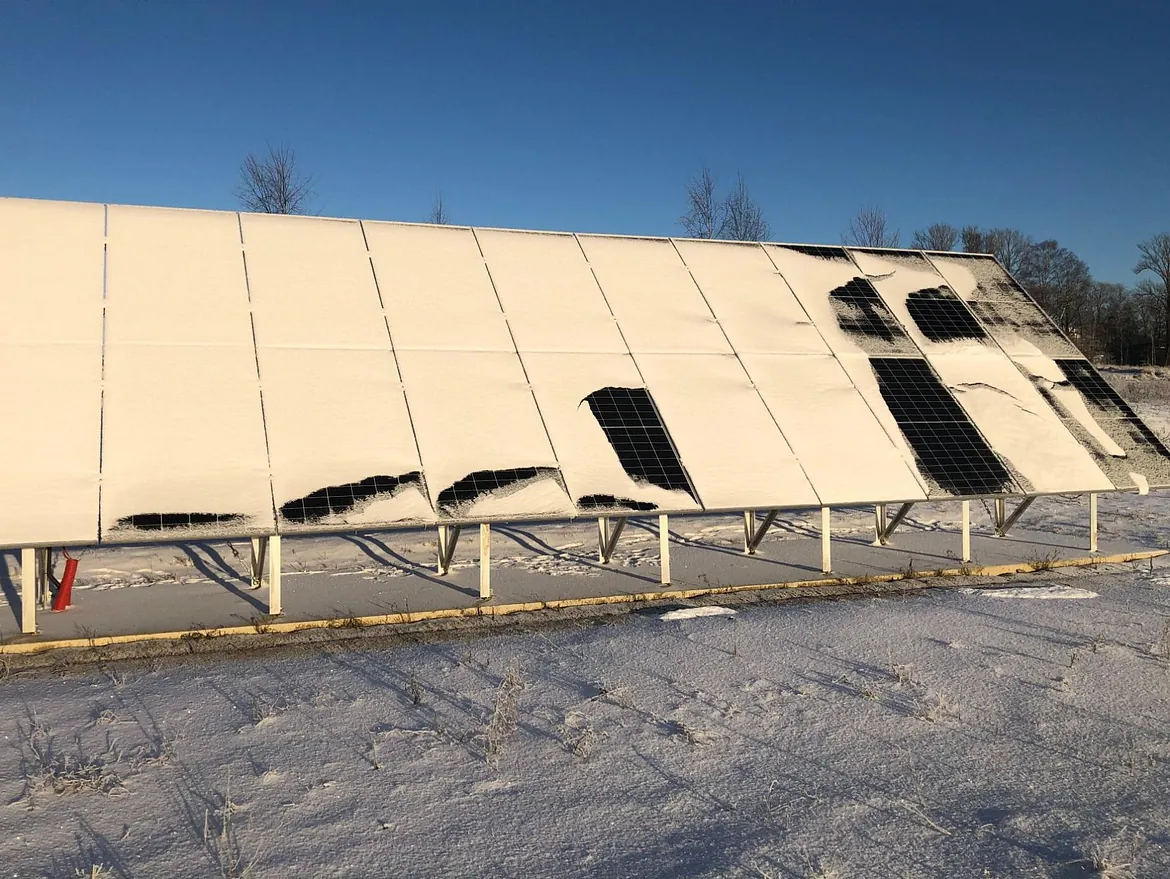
(1015, 732)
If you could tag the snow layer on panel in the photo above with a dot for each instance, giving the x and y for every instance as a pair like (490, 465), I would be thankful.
(474, 413)
(311, 283)
(754, 305)
(1006, 312)
(549, 293)
(1128, 452)
(436, 289)
(844, 450)
(897, 279)
(589, 463)
(339, 433)
(727, 439)
(859, 371)
(1006, 408)
(176, 276)
(51, 257)
(653, 296)
(183, 437)
(1018, 423)
(49, 443)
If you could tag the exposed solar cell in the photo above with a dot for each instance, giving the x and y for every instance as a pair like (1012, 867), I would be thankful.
(632, 425)
(948, 447)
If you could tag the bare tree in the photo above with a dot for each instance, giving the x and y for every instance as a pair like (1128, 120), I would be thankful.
(1156, 260)
(743, 219)
(1009, 246)
(706, 215)
(1059, 280)
(439, 215)
(871, 228)
(936, 236)
(273, 184)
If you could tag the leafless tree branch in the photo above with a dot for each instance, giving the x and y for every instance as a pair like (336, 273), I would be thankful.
(439, 215)
(272, 184)
(871, 228)
(936, 236)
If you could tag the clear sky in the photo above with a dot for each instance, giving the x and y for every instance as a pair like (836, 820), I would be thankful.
(1053, 117)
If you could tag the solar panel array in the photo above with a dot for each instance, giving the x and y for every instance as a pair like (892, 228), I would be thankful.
(182, 374)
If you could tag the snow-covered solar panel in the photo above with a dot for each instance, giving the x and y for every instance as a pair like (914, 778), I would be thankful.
(236, 374)
(339, 432)
(184, 453)
(1003, 406)
(1125, 450)
(51, 256)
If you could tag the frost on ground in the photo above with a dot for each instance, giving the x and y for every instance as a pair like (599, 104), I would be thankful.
(937, 734)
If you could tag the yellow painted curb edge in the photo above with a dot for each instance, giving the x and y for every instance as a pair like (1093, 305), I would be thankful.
(261, 627)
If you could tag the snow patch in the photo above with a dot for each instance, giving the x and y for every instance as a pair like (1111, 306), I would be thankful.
(690, 613)
(1055, 590)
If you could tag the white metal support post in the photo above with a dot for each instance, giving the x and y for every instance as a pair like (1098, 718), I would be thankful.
(664, 547)
(274, 603)
(259, 552)
(28, 591)
(44, 573)
(608, 533)
(485, 561)
(826, 547)
(879, 523)
(885, 530)
(966, 531)
(1003, 520)
(448, 537)
(753, 534)
(1092, 521)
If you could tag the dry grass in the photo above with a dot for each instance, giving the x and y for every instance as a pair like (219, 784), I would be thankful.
(505, 715)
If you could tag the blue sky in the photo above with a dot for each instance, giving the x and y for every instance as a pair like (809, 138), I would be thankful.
(1051, 117)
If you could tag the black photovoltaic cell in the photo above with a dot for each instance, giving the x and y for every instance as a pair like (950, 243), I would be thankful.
(1094, 389)
(171, 521)
(942, 316)
(819, 251)
(483, 482)
(861, 312)
(632, 426)
(340, 498)
(948, 447)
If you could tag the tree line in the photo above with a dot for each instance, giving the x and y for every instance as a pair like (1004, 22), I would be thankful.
(1111, 322)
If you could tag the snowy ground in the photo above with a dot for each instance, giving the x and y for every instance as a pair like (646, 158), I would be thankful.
(1010, 733)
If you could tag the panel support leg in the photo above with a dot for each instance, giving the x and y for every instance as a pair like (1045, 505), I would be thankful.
(448, 537)
(28, 591)
(259, 553)
(885, 530)
(966, 531)
(275, 607)
(1092, 521)
(826, 547)
(608, 532)
(1004, 523)
(753, 534)
(485, 561)
(879, 523)
(44, 576)
(664, 547)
